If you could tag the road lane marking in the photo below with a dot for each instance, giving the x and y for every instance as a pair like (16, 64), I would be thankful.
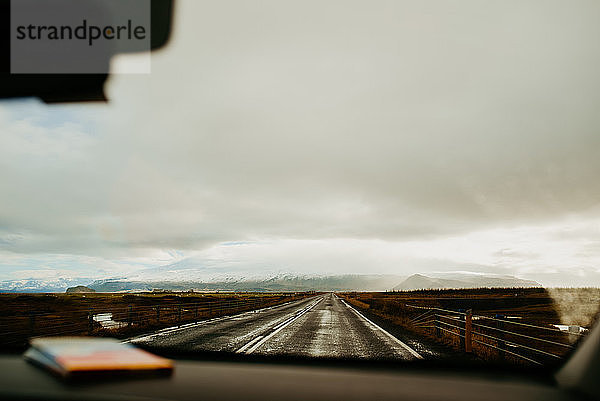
(260, 340)
(406, 347)
(250, 344)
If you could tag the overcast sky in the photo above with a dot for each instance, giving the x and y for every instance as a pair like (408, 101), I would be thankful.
(323, 137)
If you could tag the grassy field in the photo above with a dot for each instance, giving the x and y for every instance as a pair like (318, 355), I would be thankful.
(23, 316)
(511, 338)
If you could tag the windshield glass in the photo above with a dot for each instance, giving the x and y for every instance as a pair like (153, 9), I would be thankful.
(389, 180)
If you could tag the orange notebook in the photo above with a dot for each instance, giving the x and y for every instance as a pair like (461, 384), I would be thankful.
(82, 356)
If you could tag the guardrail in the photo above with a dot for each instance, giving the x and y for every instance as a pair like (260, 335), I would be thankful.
(533, 344)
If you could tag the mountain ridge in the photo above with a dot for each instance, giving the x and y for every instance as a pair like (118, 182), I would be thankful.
(273, 283)
(277, 283)
(422, 282)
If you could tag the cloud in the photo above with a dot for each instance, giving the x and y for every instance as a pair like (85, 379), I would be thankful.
(401, 122)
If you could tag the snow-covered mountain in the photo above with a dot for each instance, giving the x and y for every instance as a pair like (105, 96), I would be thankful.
(190, 269)
(190, 273)
(41, 286)
(282, 282)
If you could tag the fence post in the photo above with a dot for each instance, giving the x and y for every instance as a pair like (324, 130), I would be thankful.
(196, 311)
(462, 334)
(130, 315)
(438, 331)
(178, 315)
(90, 321)
(500, 343)
(468, 331)
(158, 314)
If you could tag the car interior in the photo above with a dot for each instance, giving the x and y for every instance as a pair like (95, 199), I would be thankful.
(179, 76)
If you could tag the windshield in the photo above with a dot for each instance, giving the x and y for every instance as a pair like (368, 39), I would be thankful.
(389, 180)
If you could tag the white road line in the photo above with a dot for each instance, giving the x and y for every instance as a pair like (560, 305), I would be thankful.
(174, 329)
(260, 340)
(406, 347)
(251, 343)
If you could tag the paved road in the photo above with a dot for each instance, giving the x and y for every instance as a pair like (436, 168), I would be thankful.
(322, 326)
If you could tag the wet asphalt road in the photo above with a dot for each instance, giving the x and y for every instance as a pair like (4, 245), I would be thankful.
(322, 326)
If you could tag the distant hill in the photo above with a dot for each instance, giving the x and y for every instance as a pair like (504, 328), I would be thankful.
(421, 282)
(278, 283)
(79, 289)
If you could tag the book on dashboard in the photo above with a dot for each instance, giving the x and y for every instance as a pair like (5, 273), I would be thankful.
(72, 357)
